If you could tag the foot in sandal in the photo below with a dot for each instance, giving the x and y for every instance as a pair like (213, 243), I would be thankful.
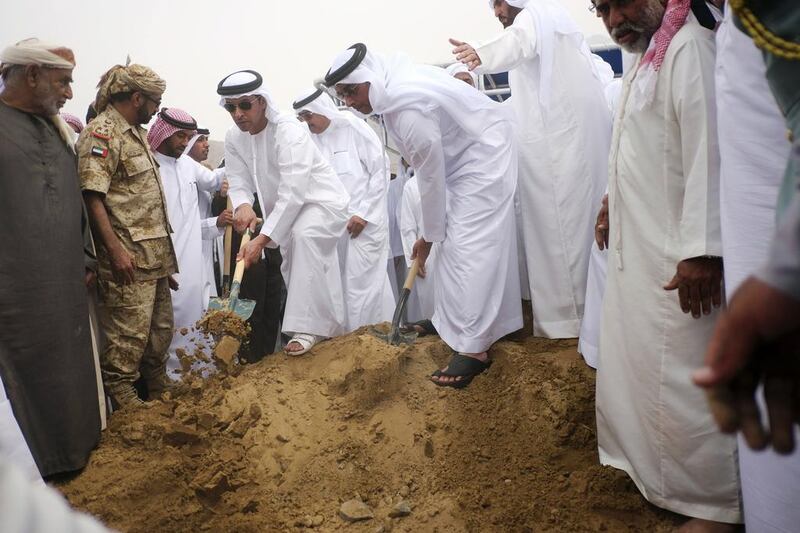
(461, 370)
(301, 343)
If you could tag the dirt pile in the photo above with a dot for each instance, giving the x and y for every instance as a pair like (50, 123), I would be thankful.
(354, 437)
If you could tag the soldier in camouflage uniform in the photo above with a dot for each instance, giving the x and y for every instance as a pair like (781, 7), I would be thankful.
(136, 259)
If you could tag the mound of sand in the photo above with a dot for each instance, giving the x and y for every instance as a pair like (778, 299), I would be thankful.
(356, 431)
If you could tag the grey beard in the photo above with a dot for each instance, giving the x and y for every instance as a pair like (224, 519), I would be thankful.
(639, 46)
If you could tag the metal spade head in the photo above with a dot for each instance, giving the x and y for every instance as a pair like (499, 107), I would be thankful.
(396, 336)
(241, 307)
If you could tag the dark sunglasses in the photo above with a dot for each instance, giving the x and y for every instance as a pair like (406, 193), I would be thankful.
(244, 105)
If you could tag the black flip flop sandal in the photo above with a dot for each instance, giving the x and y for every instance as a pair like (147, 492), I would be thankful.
(461, 366)
(426, 325)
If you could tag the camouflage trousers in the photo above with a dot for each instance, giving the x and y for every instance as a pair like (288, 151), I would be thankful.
(137, 321)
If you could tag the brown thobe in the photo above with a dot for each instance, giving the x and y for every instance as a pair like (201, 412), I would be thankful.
(45, 349)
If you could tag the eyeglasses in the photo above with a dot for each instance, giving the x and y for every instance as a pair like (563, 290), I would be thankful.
(148, 97)
(244, 105)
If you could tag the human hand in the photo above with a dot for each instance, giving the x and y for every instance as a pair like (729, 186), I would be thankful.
(244, 217)
(699, 284)
(225, 219)
(466, 54)
(756, 340)
(90, 278)
(251, 252)
(602, 225)
(223, 190)
(355, 226)
(123, 266)
(173, 283)
(420, 252)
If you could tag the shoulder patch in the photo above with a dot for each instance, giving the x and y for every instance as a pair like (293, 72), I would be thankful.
(101, 136)
(99, 152)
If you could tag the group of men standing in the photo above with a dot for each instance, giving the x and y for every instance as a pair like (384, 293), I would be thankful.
(504, 195)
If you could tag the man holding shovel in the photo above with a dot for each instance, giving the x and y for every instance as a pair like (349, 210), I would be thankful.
(460, 143)
(304, 203)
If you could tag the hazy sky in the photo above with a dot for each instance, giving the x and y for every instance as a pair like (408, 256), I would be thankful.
(193, 44)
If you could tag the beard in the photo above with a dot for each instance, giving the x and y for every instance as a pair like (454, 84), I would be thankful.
(142, 116)
(48, 99)
(646, 27)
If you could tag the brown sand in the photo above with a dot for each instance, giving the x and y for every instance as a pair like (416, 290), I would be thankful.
(281, 445)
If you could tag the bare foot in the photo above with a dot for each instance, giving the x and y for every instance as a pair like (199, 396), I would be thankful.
(698, 525)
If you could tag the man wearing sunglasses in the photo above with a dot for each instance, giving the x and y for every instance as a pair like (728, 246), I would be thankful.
(136, 259)
(305, 206)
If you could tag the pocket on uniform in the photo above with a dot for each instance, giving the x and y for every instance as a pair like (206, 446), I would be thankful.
(136, 167)
(111, 294)
(139, 234)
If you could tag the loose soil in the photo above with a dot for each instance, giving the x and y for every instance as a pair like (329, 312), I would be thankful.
(283, 443)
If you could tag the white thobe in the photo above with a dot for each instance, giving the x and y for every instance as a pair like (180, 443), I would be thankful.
(13, 447)
(410, 222)
(563, 156)
(205, 199)
(753, 150)
(589, 340)
(305, 207)
(467, 193)
(652, 421)
(395, 267)
(182, 179)
(363, 169)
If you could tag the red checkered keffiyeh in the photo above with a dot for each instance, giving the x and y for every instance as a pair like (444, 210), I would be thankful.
(162, 129)
(674, 18)
(73, 121)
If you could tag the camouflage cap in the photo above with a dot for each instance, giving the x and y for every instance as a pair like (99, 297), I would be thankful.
(129, 78)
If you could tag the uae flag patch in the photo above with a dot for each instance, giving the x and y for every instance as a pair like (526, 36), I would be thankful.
(99, 152)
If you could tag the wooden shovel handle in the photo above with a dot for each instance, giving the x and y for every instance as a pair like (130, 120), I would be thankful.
(228, 239)
(412, 274)
(239, 273)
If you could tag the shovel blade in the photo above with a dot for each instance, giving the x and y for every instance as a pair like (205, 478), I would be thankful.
(240, 307)
(244, 308)
(396, 337)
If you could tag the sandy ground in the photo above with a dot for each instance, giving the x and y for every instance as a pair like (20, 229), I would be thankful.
(283, 444)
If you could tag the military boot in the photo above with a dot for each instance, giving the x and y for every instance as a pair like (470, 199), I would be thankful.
(123, 396)
(160, 384)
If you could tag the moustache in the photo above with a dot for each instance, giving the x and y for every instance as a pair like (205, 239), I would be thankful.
(626, 27)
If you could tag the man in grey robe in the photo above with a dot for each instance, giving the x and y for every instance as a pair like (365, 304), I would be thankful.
(45, 348)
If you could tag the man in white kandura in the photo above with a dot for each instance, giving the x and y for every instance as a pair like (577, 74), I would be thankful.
(664, 263)
(563, 138)
(460, 144)
(197, 150)
(356, 153)
(305, 206)
(182, 178)
(409, 219)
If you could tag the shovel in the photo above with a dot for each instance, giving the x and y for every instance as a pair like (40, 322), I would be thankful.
(395, 335)
(226, 273)
(228, 347)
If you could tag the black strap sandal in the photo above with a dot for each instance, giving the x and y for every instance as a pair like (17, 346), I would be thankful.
(463, 367)
(426, 325)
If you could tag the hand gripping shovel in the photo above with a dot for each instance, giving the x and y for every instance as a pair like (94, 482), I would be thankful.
(228, 347)
(395, 335)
